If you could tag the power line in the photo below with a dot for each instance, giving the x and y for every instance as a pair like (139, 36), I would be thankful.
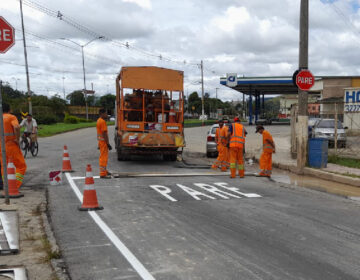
(68, 20)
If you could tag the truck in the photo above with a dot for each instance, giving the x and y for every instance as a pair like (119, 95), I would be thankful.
(149, 112)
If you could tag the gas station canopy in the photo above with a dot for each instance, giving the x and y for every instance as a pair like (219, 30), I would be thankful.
(260, 85)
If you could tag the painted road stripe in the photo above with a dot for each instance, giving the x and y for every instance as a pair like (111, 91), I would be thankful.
(134, 262)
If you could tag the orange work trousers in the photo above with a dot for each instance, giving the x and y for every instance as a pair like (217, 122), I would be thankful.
(103, 159)
(14, 154)
(237, 161)
(218, 162)
(266, 164)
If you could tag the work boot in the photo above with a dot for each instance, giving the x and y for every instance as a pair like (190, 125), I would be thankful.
(105, 177)
(241, 173)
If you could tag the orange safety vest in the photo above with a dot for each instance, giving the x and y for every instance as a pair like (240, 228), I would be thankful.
(266, 146)
(237, 138)
(101, 127)
(9, 122)
(223, 135)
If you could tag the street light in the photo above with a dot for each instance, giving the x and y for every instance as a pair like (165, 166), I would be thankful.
(83, 64)
(16, 79)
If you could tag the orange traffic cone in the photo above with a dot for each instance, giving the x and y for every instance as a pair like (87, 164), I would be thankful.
(12, 185)
(66, 161)
(90, 201)
(172, 114)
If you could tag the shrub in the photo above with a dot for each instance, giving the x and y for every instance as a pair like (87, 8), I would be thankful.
(46, 119)
(70, 119)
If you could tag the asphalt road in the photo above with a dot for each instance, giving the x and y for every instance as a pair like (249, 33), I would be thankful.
(193, 227)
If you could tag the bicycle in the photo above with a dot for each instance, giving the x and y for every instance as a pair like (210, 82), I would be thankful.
(26, 147)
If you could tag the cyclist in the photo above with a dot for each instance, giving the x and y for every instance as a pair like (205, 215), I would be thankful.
(30, 128)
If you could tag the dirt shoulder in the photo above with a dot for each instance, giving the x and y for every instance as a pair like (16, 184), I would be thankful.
(36, 250)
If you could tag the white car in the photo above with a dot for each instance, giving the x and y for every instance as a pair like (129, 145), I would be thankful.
(325, 128)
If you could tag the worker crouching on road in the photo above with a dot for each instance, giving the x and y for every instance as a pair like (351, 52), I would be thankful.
(224, 143)
(218, 161)
(268, 150)
(103, 141)
(236, 136)
(12, 137)
(220, 134)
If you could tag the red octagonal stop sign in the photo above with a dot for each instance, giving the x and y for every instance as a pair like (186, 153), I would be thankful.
(7, 35)
(305, 80)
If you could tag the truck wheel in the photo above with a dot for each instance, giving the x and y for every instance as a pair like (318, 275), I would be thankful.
(121, 156)
(170, 157)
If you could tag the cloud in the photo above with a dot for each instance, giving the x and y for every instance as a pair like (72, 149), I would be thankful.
(251, 38)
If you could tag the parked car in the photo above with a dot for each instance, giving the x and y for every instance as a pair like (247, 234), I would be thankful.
(211, 146)
(325, 128)
(263, 122)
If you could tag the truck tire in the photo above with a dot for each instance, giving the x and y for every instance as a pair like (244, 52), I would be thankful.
(171, 157)
(121, 156)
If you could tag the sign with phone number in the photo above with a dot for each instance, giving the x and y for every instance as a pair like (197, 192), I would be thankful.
(352, 100)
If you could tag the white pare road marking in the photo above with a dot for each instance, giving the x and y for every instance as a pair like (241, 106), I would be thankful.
(130, 257)
(208, 191)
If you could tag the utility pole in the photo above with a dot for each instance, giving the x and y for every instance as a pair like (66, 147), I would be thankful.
(3, 151)
(302, 129)
(83, 65)
(63, 78)
(216, 89)
(202, 91)
(26, 61)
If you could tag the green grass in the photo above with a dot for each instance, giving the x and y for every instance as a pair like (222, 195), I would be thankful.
(348, 162)
(196, 122)
(52, 129)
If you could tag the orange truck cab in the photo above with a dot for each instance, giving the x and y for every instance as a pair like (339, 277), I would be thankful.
(149, 112)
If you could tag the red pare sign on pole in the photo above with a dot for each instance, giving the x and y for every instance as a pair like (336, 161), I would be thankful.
(7, 35)
(305, 80)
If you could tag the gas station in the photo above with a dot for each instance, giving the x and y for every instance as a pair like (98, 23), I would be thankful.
(257, 87)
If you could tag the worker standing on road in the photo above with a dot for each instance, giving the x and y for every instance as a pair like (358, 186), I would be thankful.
(103, 141)
(225, 147)
(268, 150)
(236, 136)
(219, 161)
(12, 137)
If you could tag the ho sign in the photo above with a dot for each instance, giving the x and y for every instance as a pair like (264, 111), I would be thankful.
(7, 35)
(305, 80)
(352, 100)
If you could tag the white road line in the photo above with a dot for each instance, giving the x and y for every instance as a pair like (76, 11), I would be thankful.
(134, 262)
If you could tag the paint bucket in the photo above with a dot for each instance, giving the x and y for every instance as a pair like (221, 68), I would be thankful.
(133, 139)
(55, 178)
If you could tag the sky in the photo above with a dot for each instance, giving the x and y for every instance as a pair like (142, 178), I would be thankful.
(250, 38)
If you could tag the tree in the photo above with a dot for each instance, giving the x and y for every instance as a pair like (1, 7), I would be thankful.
(107, 101)
(76, 98)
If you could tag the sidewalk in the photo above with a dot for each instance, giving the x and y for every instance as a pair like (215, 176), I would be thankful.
(196, 145)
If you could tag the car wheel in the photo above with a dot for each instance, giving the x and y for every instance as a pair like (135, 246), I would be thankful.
(208, 154)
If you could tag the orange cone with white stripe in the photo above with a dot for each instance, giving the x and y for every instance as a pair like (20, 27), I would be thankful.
(12, 184)
(90, 201)
(66, 161)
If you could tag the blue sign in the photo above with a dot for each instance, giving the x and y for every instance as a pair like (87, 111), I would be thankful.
(352, 100)
(352, 96)
(231, 79)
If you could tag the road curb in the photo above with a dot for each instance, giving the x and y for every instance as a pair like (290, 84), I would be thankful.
(320, 174)
(59, 266)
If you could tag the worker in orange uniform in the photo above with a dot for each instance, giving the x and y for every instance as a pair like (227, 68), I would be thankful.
(219, 161)
(12, 137)
(236, 136)
(103, 141)
(224, 143)
(268, 150)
